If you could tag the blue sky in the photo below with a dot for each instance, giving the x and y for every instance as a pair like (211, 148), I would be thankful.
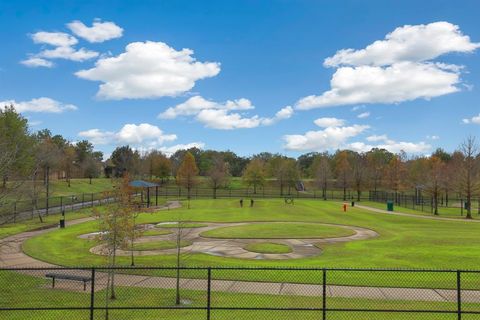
(248, 76)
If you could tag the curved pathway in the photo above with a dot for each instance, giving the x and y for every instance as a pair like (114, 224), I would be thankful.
(12, 257)
(234, 248)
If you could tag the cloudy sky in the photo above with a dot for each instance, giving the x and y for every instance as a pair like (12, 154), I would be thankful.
(249, 76)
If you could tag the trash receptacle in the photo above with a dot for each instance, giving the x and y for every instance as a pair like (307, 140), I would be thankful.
(389, 205)
(353, 203)
(62, 223)
(465, 205)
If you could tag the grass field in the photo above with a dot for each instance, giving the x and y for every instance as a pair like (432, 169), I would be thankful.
(40, 295)
(403, 242)
(160, 245)
(278, 230)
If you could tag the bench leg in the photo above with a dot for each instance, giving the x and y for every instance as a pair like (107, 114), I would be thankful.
(84, 285)
(53, 283)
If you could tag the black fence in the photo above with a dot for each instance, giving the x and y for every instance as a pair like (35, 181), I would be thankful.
(14, 211)
(451, 205)
(238, 293)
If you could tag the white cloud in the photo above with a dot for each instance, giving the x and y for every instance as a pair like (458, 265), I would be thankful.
(98, 32)
(68, 53)
(472, 120)
(43, 104)
(363, 115)
(142, 135)
(63, 49)
(408, 43)
(34, 62)
(220, 116)
(329, 122)
(322, 140)
(148, 70)
(434, 137)
(390, 145)
(197, 103)
(397, 69)
(56, 39)
(400, 82)
(172, 149)
(376, 138)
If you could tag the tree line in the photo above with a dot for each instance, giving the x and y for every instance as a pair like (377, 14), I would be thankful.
(35, 156)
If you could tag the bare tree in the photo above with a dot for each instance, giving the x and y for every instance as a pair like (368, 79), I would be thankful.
(469, 171)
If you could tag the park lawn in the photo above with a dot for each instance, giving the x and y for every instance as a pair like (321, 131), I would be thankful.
(268, 248)
(51, 220)
(403, 242)
(25, 291)
(447, 212)
(278, 230)
(156, 232)
(79, 186)
(160, 245)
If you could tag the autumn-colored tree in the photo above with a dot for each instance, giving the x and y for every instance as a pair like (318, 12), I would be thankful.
(187, 174)
(359, 169)
(433, 183)
(254, 174)
(343, 171)
(377, 161)
(396, 174)
(218, 173)
(322, 172)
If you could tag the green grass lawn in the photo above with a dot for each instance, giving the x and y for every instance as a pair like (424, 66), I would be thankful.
(447, 212)
(20, 290)
(160, 245)
(156, 232)
(268, 247)
(403, 242)
(278, 230)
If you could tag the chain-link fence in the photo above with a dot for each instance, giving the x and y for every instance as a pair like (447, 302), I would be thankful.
(238, 293)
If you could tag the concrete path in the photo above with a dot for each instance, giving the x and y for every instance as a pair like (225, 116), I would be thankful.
(301, 248)
(12, 256)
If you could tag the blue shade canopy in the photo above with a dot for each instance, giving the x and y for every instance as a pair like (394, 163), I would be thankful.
(142, 184)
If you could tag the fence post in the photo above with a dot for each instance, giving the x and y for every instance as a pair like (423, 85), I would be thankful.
(459, 296)
(92, 294)
(209, 292)
(91, 205)
(324, 294)
(15, 212)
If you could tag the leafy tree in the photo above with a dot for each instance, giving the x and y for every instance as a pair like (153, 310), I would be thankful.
(125, 160)
(377, 161)
(91, 167)
(254, 174)
(187, 174)
(117, 228)
(359, 168)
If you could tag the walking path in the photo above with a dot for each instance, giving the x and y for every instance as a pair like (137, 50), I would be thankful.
(12, 256)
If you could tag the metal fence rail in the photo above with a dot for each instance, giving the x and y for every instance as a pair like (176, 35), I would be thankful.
(238, 293)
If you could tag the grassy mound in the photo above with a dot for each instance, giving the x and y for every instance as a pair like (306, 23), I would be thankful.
(268, 247)
(278, 230)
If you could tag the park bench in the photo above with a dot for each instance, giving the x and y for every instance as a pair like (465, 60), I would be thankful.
(68, 277)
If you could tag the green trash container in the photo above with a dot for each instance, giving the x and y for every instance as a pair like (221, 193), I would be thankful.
(389, 205)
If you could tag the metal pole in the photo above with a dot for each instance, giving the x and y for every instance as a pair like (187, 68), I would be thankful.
(324, 295)
(15, 212)
(209, 292)
(92, 294)
(459, 296)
